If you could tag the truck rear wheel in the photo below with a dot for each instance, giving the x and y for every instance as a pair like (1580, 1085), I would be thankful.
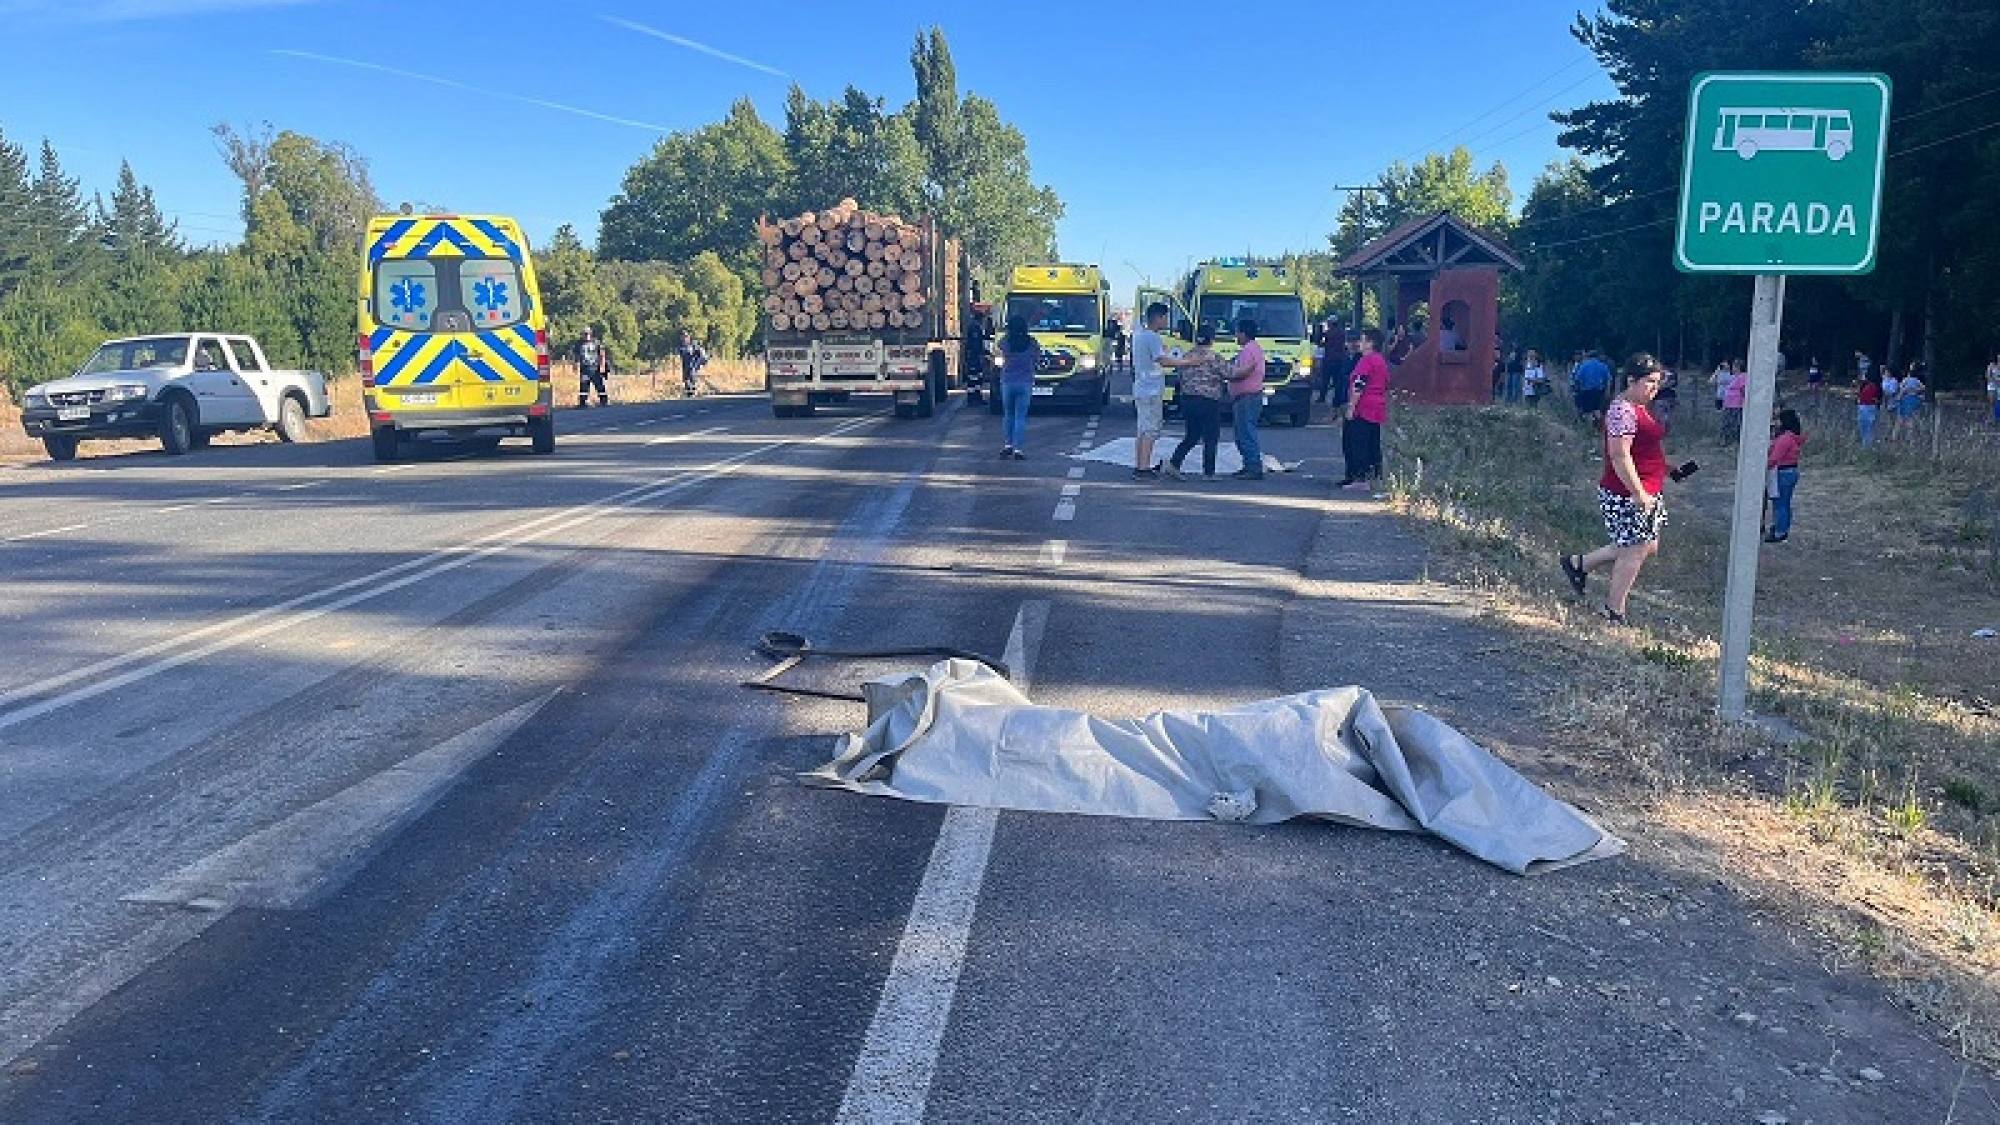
(542, 433)
(388, 446)
(927, 399)
(177, 426)
(292, 419)
(60, 448)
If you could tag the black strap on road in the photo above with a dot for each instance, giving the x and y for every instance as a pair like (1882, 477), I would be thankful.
(792, 649)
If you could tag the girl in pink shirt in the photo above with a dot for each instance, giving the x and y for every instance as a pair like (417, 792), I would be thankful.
(1367, 409)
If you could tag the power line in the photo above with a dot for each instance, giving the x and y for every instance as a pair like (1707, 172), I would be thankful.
(1946, 105)
(1606, 234)
(1504, 103)
(1944, 140)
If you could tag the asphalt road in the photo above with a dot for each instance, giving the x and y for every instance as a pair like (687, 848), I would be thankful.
(339, 792)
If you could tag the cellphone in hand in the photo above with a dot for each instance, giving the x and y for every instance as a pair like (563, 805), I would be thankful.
(1686, 470)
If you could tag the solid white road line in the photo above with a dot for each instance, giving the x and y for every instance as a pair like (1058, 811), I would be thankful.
(236, 631)
(1053, 552)
(892, 1076)
(665, 438)
(44, 533)
(285, 865)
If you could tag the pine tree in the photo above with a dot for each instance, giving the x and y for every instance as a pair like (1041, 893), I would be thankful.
(15, 226)
(59, 225)
(135, 226)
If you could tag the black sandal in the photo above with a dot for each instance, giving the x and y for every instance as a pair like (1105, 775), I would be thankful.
(1610, 615)
(1573, 567)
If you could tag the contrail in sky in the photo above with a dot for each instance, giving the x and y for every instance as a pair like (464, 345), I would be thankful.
(681, 41)
(454, 84)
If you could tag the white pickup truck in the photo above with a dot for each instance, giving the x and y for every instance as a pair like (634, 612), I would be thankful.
(183, 389)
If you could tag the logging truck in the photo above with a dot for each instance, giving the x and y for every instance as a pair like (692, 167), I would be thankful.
(1067, 309)
(1224, 292)
(861, 303)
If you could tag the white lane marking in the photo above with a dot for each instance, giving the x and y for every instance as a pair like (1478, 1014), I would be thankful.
(44, 533)
(1076, 473)
(299, 485)
(284, 865)
(665, 438)
(395, 468)
(1072, 490)
(892, 1076)
(1065, 510)
(369, 586)
(1054, 551)
(175, 508)
(281, 866)
(645, 421)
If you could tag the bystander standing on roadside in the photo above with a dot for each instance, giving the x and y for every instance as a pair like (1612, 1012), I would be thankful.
(1733, 395)
(1199, 390)
(1019, 356)
(1891, 387)
(1149, 388)
(1718, 381)
(1867, 408)
(1783, 466)
(1367, 409)
(1628, 492)
(590, 369)
(1909, 401)
(1590, 383)
(1534, 378)
(693, 358)
(1246, 398)
(1993, 387)
(1815, 378)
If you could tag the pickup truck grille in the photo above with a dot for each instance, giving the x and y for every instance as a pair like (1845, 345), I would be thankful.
(77, 398)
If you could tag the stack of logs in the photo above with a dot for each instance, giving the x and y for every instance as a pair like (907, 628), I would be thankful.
(844, 268)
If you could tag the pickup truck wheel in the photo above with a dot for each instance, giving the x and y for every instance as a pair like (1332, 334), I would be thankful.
(388, 446)
(60, 448)
(542, 433)
(291, 419)
(177, 427)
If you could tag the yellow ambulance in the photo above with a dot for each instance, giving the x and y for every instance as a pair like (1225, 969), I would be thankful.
(1225, 291)
(454, 343)
(1067, 308)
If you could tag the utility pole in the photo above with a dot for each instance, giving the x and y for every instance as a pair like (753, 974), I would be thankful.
(1361, 189)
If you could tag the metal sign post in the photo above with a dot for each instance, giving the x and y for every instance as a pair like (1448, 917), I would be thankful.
(1767, 314)
(1782, 174)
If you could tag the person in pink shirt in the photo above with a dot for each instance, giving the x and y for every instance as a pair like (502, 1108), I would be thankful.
(1783, 466)
(1367, 410)
(1733, 393)
(1246, 398)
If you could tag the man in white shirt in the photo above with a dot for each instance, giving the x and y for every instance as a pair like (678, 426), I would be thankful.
(1149, 388)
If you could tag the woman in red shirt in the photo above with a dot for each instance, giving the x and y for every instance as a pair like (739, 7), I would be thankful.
(1628, 494)
(1783, 465)
(1868, 407)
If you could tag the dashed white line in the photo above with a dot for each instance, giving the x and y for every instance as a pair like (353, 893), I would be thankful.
(1076, 473)
(665, 438)
(892, 1076)
(45, 532)
(1066, 509)
(243, 629)
(1072, 490)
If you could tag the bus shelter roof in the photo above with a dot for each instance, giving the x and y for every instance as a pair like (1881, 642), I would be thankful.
(1429, 244)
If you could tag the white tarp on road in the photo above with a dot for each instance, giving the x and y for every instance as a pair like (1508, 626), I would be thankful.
(961, 734)
(1120, 451)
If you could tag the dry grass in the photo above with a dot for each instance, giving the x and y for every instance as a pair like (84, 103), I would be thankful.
(1880, 828)
(348, 420)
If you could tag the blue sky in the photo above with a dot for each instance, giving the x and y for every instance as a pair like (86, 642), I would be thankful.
(1189, 131)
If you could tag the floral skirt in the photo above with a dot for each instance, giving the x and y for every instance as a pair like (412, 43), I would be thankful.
(1628, 524)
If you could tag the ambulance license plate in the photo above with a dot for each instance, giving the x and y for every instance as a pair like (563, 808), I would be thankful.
(420, 399)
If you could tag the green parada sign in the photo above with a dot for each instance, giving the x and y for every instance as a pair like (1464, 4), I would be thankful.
(1782, 173)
